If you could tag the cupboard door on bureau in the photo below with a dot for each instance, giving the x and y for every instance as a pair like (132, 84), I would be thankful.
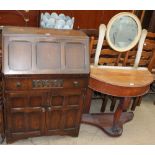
(25, 114)
(64, 112)
(54, 112)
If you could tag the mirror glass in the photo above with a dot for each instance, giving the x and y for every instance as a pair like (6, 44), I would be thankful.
(123, 31)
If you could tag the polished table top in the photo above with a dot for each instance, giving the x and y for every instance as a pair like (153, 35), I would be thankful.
(122, 76)
(119, 81)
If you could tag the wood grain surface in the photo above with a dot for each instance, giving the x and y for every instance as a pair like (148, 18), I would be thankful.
(122, 77)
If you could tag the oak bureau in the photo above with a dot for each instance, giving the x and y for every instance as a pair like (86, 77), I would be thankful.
(45, 78)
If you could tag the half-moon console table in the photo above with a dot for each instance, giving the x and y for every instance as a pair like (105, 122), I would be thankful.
(116, 81)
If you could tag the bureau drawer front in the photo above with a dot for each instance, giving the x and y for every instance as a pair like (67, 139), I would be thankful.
(18, 84)
(76, 83)
(59, 83)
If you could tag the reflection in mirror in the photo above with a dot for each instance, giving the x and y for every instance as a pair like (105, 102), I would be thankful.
(123, 31)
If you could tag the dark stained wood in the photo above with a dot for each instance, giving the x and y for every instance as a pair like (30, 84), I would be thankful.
(1, 123)
(136, 102)
(84, 19)
(88, 100)
(44, 51)
(44, 103)
(113, 103)
(11, 83)
(41, 111)
(19, 18)
(1, 94)
(151, 26)
(105, 100)
(2, 135)
(1, 41)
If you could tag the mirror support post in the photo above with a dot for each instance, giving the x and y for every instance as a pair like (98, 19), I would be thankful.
(140, 47)
(102, 31)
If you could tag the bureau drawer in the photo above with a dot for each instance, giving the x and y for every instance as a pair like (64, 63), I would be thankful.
(46, 83)
(17, 84)
(75, 83)
(59, 83)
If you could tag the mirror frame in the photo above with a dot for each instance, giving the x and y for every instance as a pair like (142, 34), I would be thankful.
(134, 42)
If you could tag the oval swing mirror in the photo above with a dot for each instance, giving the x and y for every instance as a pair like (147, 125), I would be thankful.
(123, 31)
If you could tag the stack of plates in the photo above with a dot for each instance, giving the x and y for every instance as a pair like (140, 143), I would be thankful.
(56, 21)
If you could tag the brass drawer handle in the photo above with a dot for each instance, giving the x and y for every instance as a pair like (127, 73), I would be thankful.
(49, 108)
(76, 84)
(18, 85)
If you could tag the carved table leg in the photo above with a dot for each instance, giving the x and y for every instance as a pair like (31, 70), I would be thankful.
(117, 126)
